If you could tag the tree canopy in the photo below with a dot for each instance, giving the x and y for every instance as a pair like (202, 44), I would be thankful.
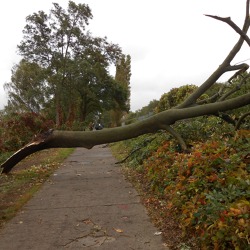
(65, 68)
(122, 76)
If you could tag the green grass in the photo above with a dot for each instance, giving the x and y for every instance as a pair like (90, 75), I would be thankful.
(19, 186)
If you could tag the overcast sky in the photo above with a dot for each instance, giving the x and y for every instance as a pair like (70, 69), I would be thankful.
(171, 42)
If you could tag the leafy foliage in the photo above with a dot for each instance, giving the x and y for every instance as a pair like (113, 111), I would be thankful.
(27, 89)
(174, 97)
(65, 69)
(142, 113)
(122, 76)
(17, 129)
(207, 190)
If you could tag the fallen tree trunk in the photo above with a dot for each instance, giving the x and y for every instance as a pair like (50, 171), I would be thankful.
(88, 139)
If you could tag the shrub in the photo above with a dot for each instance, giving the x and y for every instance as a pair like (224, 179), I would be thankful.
(208, 189)
(17, 129)
(174, 97)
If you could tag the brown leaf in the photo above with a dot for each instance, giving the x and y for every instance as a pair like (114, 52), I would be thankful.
(118, 230)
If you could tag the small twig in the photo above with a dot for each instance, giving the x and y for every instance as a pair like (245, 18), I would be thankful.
(144, 143)
(247, 10)
(210, 99)
(235, 89)
(131, 153)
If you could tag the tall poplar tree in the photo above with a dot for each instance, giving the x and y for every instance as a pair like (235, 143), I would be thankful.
(122, 76)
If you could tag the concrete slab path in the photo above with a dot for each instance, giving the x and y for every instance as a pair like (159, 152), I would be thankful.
(86, 204)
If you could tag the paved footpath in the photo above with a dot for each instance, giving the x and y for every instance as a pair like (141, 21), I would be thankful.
(86, 204)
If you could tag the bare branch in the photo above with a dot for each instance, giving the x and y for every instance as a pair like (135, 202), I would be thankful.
(233, 25)
(191, 100)
(88, 139)
(130, 154)
(144, 143)
(235, 89)
(220, 94)
(247, 11)
(176, 135)
(225, 117)
(243, 68)
(212, 98)
(21, 154)
(221, 69)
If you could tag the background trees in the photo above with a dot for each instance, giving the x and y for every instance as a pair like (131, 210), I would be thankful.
(64, 68)
(174, 97)
(122, 76)
(27, 89)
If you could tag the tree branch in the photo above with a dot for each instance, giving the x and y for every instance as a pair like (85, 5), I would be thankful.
(176, 135)
(88, 139)
(164, 120)
(247, 11)
(144, 143)
(222, 68)
(233, 25)
(241, 67)
(212, 98)
(131, 153)
(235, 89)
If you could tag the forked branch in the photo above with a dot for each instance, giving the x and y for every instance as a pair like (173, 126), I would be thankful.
(88, 139)
(224, 67)
(233, 25)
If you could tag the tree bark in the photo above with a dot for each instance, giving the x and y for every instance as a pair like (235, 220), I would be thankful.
(88, 139)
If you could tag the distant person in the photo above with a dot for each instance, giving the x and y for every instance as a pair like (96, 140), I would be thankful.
(98, 126)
